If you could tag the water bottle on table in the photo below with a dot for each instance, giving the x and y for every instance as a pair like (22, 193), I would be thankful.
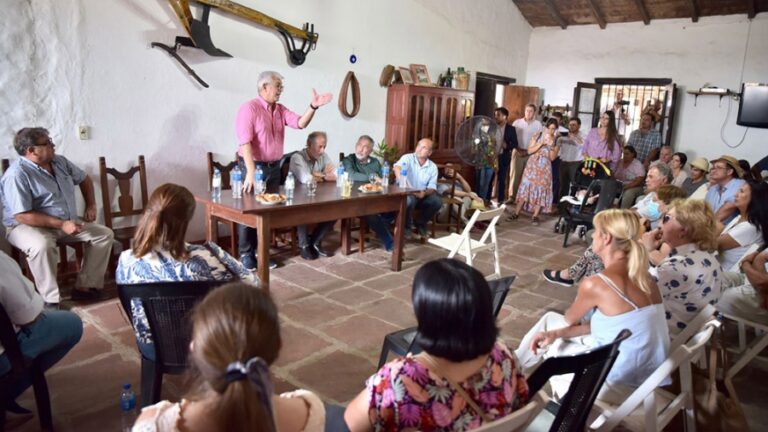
(237, 182)
(385, 175)
(340, 176)
(258, 184)
(403, 181)
(216, 184)
(290, 186)
(127, 408)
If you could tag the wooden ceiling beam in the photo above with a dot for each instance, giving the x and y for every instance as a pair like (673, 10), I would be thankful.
(751, 8)
(556, 14)
(597, 13)
(694, 11)
(643, 11)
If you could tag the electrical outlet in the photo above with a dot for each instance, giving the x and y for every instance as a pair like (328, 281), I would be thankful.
(82, 132)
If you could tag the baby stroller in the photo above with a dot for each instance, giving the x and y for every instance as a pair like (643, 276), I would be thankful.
(592, 190)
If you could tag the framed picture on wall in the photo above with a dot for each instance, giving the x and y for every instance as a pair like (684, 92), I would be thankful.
(405, 74)
(420, 74)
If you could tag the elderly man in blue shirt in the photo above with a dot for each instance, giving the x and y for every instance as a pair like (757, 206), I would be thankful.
(421, 173)
(39, 209)
(725, 177)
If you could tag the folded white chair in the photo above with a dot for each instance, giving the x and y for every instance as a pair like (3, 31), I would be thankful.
(464, 245)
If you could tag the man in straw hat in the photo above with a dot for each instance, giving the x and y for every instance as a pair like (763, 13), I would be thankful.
(725, 176)
(697, 182)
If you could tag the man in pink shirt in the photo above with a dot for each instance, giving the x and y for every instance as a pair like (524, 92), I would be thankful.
(260, 128)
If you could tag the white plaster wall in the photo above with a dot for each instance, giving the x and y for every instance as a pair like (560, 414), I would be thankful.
(65, 63)
(691, 54)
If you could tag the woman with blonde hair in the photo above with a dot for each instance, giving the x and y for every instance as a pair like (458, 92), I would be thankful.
(688, 274)
(235, 337)
(160, 254)
(621, 296)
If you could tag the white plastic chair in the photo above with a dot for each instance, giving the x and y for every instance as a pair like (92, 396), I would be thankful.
(650, 408)
(518, 420)
(748, 352)
(464, 245)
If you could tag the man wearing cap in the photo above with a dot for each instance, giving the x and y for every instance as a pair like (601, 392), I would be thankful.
(698, 178)
(725, 176)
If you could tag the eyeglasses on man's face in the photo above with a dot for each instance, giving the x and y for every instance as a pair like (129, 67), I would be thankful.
(47, 142)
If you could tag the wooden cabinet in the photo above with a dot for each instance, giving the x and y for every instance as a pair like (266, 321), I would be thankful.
(416, 112)
(517, 97)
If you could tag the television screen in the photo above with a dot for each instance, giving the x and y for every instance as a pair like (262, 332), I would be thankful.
(753, 108)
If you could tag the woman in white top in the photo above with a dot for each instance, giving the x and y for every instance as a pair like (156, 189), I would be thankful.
(679, 174)
(235, 337)
(748, 228)
(621, 296)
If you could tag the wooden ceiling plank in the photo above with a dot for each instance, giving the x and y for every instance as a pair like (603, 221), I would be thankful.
(643, 11)
(751, 8)
(597, 13)
(556, 14)
(694, 11)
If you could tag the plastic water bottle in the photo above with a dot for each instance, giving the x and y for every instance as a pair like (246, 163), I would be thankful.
(403, 178)
(237, 182)
(127, 408)
(290, 186)
(385, 175)
(216, 184)
(340, 176)
(258, 185)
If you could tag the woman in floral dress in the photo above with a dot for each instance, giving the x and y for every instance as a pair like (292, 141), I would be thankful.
(464, 377)
(535, 193)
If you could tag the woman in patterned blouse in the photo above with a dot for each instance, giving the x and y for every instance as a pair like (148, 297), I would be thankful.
(160, 254)
(462, 359)
(688, 275)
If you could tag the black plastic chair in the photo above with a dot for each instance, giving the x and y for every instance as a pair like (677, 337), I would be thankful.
(167, 306)
(402, 342)
(609, 190)
(589, 372)
(21, 367)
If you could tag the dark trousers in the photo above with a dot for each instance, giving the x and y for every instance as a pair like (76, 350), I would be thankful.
(378, 224)
(501, 177)
(566, 176)
(246, 236)
(428, 206)
(556, 180)
(318, 233)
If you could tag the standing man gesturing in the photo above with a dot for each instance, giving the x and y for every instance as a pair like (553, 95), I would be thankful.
(260, 128)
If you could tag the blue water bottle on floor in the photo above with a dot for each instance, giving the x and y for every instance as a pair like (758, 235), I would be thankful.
(127, 408)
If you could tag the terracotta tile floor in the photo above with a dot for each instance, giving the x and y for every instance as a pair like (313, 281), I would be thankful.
(334, 314)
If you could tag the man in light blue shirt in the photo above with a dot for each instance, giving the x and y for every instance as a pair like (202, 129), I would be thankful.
(724, 174)
(39, 210)
(421, 173)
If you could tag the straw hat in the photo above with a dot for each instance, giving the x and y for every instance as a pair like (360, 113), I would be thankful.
(732, 162)
(701, 163)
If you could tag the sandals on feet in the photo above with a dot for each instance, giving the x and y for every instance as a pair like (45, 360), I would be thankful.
(535, 220)
(513, 216)
(554, 277)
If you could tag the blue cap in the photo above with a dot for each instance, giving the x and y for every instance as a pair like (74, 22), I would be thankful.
(126, 386)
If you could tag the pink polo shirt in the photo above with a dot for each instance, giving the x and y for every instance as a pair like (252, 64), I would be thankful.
(264, 129)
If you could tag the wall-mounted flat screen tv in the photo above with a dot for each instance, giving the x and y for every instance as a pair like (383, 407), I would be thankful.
(753, 108)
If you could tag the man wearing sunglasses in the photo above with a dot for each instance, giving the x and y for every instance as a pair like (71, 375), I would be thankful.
(39, 210)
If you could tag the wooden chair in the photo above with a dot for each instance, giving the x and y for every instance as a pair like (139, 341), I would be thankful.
(20, 368)
(225, 185)
(290, 233)
(351, 225)
(453, 203)
(125, 202)
(66, 269)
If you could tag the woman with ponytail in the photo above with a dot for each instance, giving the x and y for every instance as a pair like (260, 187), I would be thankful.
(622, 296)
(160, 254)
(235, 338)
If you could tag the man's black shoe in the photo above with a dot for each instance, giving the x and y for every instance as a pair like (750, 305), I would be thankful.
(248, 261)
(320, 251)
(87, 294)
(51, 306)
(308, 252)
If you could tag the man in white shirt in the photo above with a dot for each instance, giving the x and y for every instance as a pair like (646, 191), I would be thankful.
(43, 335)
(526, 128)
(421, 173)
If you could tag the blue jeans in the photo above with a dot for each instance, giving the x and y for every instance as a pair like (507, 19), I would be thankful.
(378, 224)
(246, 236)
(428, 206)
(48, 340)
(483, 177)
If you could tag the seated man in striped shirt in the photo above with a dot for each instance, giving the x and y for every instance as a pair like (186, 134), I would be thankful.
(421, 173)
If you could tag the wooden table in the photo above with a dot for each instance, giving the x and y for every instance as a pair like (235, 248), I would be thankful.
(326, 205)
